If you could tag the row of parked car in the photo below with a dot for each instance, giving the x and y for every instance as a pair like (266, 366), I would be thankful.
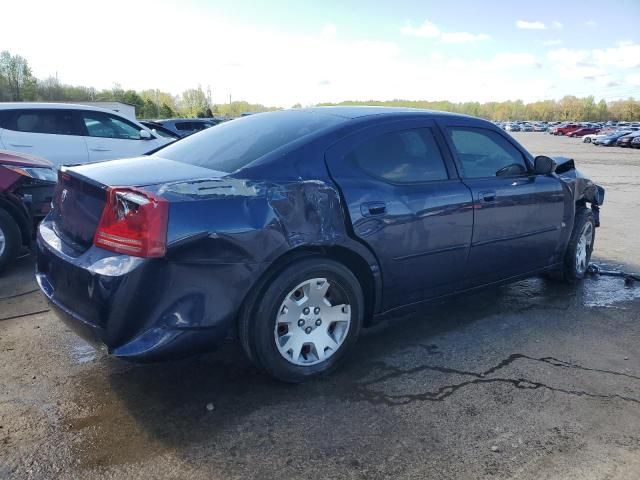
(64, 134)
(621, 135)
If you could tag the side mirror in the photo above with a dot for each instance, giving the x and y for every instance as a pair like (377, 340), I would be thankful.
(145, 135)
(544, 165)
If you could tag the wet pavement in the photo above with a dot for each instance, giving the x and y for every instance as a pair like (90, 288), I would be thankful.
(532, 380)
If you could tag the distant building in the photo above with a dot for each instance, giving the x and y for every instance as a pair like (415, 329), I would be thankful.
(125, 109)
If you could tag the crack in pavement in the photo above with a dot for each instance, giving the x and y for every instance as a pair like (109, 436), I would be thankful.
(369, 395)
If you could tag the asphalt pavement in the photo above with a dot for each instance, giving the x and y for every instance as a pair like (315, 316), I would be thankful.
(533, 380)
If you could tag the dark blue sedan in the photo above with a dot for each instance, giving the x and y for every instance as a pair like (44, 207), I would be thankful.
(295, 229)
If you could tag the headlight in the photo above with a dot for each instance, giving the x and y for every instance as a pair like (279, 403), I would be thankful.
(39, 173)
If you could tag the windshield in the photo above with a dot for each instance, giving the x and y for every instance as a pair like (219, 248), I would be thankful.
(232, 145)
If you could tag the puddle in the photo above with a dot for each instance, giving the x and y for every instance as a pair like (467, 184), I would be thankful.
(600, 291)
(82, 352)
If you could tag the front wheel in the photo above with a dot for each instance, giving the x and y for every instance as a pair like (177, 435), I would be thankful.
(580, 247)
(10, 239)
(309, 315)
(587, 140)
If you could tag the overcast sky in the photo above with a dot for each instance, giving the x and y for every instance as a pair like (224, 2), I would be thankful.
(285, 52)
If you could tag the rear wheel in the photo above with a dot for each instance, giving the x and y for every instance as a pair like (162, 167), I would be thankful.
(580, 247)
(587, 140)
(10, 239)
(309, 315)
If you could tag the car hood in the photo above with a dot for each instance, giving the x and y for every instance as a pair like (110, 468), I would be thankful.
(23, 160)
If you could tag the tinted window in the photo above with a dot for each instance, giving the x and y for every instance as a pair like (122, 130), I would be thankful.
(103, 125)
(483, 152)
(403, 156)
(182, 126)
(235, 144)
(57, 122)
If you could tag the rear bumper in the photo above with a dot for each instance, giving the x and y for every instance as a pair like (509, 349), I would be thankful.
(140, 309)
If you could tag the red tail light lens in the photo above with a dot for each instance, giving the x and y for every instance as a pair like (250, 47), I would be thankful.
(133, 222)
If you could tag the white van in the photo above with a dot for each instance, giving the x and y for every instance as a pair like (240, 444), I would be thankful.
(68, 134)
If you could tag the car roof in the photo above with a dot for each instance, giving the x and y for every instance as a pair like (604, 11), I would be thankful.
(365, 111)
(53, 105)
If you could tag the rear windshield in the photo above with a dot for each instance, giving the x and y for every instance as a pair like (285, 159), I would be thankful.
(229, 146)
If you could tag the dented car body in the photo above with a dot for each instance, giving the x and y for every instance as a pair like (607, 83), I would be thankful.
(232, 225)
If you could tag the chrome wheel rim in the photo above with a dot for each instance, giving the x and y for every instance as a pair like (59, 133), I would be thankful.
(584, 245)
(3, 242)
(312, 323)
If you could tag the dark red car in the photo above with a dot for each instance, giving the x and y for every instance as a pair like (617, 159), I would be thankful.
(26, 189)
(565, 129)
(581, 132)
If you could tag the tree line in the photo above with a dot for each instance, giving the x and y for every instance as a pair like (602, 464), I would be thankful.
(567, 108)
(17, 83)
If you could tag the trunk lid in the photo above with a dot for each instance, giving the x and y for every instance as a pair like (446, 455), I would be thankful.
(80, 195)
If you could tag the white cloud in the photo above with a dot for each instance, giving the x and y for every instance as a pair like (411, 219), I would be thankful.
(426, 30)
(524, 25)
(633, 79)
(591, 24)
(329, 30)
(430, 30)
(463, 37)
(552, 43)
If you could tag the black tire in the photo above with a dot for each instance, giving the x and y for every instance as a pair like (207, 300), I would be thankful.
(570, 272)
(586, 140)
(258, 323)
(12, 239)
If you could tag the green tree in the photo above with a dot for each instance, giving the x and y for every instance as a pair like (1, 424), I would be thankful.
(20, 83)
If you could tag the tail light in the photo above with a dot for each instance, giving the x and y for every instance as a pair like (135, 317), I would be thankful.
(133, 222)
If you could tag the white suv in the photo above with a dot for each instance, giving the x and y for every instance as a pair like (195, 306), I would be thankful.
(68, 134)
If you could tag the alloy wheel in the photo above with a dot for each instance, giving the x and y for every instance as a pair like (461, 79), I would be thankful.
(3, 242)
(312, 322)
(583, 248)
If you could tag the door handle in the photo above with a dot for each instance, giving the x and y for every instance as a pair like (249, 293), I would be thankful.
(21, 145)
(99, 149)
(489, 196)
(369, 209)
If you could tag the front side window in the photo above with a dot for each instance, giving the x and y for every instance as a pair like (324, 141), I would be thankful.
(103, 125)
(485, 153)
(57, 122)
(406, 156)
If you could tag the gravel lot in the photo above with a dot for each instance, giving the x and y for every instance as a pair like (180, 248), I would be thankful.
(529, 381)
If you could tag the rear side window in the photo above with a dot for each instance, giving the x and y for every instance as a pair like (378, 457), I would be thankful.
(57, 122)
(482, 153)
(234, 144)
(99, 124)
(407, 156)
(184, 126)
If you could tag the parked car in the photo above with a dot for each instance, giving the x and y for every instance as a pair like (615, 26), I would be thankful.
(68, 134)
(526, 128)
(26, 191)
(611, 139)
(601, 134)
(540, 128)
(512, 127)
(581, 132)
(294, 229)
(565, 129)
(161, 131)
(187, 126)
(625, 140)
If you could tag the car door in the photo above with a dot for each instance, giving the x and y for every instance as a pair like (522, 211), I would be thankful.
(53, 134)
(406, 204)
(518, 216)
(109, 136)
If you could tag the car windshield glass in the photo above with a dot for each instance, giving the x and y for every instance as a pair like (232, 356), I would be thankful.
(232, 145)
